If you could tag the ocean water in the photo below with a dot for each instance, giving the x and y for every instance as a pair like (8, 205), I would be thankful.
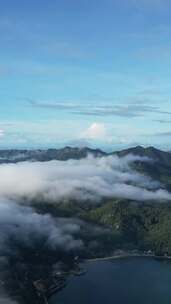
(124, 281)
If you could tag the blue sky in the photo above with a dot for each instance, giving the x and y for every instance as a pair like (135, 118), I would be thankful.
(84, 72)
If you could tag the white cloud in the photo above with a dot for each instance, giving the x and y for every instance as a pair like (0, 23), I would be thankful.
(86, 179)
(95, 131)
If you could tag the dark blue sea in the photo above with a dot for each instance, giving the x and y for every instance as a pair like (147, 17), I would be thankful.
(124, 281)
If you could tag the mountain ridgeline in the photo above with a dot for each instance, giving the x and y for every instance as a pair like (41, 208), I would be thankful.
(14, 156)
(66, 153)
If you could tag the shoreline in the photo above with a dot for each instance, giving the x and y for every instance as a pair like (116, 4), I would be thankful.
(119, 257)
(128, 255)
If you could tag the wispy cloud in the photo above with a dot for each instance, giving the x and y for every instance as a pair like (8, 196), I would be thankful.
(162, 134)
(129, 110)
(54, 105)
(163, 121)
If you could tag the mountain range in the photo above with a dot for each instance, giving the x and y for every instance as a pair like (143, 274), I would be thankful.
(17, 155)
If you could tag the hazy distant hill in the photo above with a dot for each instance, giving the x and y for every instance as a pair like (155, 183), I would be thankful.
(16, 155)
(13, 156)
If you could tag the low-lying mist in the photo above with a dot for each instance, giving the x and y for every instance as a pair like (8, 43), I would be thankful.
(87, 179)
(23, 224)
(26, 235)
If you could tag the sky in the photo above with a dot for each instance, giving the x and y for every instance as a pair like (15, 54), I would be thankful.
(81, 72)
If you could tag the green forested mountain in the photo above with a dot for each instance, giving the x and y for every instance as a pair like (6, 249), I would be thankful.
(144, 226)
(158, 168)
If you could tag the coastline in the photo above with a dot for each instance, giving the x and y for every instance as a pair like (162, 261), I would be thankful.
(119, 257)
(128, 255)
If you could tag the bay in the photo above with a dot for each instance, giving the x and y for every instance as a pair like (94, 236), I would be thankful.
(122, 281)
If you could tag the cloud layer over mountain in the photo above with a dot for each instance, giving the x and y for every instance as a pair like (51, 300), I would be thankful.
(86, 179)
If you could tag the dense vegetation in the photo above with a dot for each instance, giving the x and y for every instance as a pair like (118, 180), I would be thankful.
(138, 225)
(124, 224)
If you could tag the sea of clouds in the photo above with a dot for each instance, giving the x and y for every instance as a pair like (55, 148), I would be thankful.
(86, 179)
